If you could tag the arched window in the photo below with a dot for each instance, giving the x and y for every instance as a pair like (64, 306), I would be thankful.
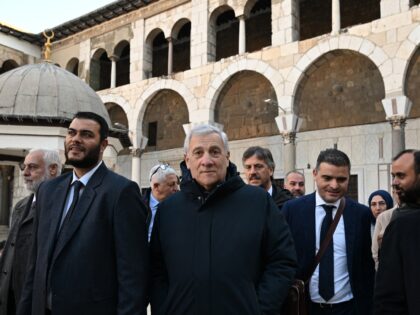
(8, 65)
(182, 42)
(122, 52)
(73, 66)
(100, 71)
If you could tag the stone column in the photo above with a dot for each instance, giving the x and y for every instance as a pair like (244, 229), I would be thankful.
(336, 17)
(170, 55)
(289, 151)
(398, 135)
(114, 60)
(397, 109)
(242, 34)
(136, 165)
(288, 124)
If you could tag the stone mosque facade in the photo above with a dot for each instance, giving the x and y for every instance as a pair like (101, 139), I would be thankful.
(296, 76)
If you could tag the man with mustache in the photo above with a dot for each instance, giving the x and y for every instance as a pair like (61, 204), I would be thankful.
(343, 281)
(259, 167)
(90, 249)
(38, 166)
(397, 279)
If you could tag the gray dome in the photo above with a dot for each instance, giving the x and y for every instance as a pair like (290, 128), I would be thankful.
(44, 91)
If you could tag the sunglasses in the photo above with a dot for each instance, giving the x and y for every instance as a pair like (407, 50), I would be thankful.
(160, 167)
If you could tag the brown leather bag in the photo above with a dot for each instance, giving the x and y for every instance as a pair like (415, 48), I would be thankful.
(295, 303)
(297, 297)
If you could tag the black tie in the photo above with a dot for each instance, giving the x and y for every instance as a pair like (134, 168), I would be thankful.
(326, 265)
(77, 186)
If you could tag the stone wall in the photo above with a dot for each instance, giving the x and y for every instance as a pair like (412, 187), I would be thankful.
(170, 112)
(342, 88)
(241, 108)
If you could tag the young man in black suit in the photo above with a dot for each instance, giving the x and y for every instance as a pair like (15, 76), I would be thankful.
(342, 284)
(90, 247)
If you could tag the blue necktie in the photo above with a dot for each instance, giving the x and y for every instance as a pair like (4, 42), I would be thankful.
(326, 265)
(77, 186)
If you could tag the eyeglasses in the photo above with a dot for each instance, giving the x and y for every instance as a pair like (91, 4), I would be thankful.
(160, 167)
(31, 167)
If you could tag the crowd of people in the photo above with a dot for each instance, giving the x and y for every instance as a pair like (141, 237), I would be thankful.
(204, 241)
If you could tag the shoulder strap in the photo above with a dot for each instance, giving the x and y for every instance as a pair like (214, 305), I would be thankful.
(327, 238)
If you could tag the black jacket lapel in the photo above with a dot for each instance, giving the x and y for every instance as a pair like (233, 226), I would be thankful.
(81, 210)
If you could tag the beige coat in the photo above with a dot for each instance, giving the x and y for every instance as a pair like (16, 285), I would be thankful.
(382, 222)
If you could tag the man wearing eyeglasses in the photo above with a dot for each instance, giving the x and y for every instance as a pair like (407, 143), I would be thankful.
(163, 183)
(218, 246)
(39, 165)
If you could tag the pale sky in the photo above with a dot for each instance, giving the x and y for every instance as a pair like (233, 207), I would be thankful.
(34, 16)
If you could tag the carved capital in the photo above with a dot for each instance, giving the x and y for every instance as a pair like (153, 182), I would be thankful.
(136, 152)
(288, 137)
(397, 122)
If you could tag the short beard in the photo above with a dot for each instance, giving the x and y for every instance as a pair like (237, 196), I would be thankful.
(34, 185)
(411, 195)
(89, 161)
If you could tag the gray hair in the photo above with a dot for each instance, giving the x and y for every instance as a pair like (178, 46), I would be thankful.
(294, 172)
(160, 171)
(203, 130)
(50, 157)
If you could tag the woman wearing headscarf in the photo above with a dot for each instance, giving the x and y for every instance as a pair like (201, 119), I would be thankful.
(379, 202)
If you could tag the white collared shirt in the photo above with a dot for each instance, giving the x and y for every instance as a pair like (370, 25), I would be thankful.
(84, 179)
(153, 203)
(342, 286)
(270, 191)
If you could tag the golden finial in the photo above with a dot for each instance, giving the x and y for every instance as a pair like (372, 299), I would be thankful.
(47, 46)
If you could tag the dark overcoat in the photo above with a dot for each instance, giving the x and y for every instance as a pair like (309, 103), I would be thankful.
(99, 265)
(226, 252)
(14, 260)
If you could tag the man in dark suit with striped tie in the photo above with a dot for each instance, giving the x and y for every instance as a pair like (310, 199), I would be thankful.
(38, 166)
(342, 284)
(90, 251)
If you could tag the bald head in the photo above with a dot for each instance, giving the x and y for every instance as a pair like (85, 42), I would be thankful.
(295, 183)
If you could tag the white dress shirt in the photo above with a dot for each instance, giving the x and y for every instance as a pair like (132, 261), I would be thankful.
(84, 179)
(342, 287)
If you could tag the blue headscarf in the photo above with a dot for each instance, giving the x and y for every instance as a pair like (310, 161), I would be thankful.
(385, 195)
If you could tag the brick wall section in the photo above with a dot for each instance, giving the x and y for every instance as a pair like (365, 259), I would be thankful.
(170, 111)
(342, 89)
(413, 83)
(242, 110)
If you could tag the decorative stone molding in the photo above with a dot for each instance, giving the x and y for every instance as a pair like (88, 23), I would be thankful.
(397, 122)
(397, 106)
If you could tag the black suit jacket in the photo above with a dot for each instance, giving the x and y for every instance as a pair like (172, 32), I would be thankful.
(300, 214)
(14, 260)
(99, 266)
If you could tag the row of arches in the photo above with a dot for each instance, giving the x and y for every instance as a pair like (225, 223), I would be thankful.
(341, 88)
(166, 52)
